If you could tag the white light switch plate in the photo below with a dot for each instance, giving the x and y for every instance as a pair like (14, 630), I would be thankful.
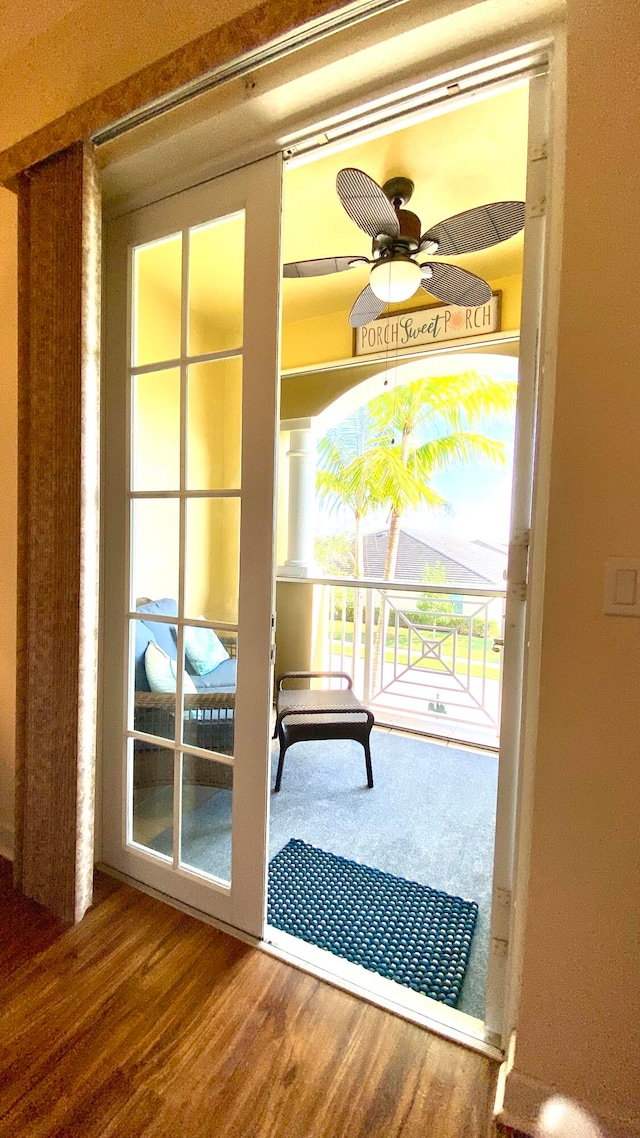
(622, 586)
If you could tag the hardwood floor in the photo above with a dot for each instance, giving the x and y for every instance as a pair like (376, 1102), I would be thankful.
(143, 1022)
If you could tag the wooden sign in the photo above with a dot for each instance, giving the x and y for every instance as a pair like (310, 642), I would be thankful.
(420, 327)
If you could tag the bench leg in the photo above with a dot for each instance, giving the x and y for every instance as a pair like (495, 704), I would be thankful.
(283, 751)
(367, 759)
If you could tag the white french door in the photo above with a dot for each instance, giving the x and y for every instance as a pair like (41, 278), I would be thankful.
(190, 423)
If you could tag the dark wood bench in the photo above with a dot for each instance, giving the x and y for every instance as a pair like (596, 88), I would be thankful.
(307, 714)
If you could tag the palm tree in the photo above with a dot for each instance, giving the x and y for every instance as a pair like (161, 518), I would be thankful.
(424, 428)
(388, 452)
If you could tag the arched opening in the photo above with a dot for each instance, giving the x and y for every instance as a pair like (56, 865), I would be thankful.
(438, 431)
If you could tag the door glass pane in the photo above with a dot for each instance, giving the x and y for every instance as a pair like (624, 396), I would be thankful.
(214, 425)
(209, 711)
(154, 556)
(152, 818)
(207, 796)
(156, 431)
(157, 277)
(216, 285)
(154, 671)
(213, 559)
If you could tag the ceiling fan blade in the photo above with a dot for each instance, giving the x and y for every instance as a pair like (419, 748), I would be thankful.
(367, 306)
(474, 229)
(454, 285)
(321, 266)
(366, 203)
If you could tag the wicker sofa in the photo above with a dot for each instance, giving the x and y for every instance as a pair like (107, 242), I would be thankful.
(208, 713)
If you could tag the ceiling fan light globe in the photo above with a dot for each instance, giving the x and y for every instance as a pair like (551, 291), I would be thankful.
(395, 280)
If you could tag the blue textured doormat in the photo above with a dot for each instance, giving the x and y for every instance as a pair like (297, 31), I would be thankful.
(410, 933)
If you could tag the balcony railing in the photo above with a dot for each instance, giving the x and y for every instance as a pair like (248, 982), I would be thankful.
(424, 657)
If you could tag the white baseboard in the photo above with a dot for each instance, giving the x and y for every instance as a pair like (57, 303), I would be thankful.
(519, 1099)
(6, 842)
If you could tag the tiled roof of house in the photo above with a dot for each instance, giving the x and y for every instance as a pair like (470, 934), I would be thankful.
(470, 563)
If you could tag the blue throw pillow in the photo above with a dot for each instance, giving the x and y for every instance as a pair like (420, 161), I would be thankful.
(161, 671)
(203, 649)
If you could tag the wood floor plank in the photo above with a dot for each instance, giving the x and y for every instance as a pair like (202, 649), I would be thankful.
(141, 1022)
(43, 927)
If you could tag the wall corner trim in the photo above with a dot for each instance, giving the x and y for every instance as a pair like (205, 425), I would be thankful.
(521, 1096)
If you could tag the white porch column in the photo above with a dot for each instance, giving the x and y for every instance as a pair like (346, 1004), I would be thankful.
(302, 498)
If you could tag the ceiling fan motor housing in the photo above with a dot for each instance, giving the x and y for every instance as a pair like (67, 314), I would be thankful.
(407, 241)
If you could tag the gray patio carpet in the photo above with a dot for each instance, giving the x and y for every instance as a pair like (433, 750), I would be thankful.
(430, 817)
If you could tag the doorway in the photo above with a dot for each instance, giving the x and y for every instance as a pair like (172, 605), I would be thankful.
(202, 884)
(431, 815)
(434, 682)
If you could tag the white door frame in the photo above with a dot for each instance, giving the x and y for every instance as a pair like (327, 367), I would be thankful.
(516, 607)
(256, 190)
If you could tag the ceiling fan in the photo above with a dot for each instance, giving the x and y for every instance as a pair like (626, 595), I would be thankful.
(397, 242)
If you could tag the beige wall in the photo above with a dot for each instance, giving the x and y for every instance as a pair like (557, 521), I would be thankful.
(578, 1024)
(580, 1012)
(95, 45)
(8, 422)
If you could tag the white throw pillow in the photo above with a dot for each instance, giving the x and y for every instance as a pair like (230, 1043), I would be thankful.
(162, 670)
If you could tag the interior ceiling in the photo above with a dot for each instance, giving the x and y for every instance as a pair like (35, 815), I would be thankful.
(20, 22)
(470, 156)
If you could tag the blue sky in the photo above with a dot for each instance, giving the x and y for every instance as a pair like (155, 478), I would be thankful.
(480, 499)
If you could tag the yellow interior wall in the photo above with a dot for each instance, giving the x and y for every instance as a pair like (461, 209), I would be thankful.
(510, 289)
(294, 629)
(282, 499)
(215, 416)
(316, 341)
(301, 618)
(156, 408)
(214, 424)
(215, 419)
(157, 273)
(330, 337)
(579, 1019)
(216, 298)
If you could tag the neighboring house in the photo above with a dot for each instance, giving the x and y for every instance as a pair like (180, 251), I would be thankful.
(423, 557)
